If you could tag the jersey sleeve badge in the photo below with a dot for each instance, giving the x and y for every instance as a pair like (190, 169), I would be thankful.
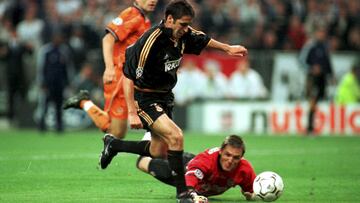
(199, 174)
(139, 72)
(117, 21)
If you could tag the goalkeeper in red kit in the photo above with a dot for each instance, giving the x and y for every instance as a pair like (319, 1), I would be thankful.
(211, 172)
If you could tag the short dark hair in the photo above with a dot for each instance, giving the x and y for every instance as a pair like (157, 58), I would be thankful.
(179, 8)
(234, 141)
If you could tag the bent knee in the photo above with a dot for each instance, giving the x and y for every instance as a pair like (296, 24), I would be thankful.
(176, 140)
(143, 163)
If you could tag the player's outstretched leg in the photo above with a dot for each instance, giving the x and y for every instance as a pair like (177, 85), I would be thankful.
(112, 146)
(74, 101)
(108, 152)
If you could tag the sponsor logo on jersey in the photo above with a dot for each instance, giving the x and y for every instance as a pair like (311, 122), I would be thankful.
(117, 21)
(170, 65)
(158, 108)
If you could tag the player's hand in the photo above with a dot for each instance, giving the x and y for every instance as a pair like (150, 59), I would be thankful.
(249, 196)
(198, 198)
(237, 50)
(109, 75)
(134, 121)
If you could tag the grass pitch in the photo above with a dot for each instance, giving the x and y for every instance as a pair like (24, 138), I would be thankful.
(63, 168)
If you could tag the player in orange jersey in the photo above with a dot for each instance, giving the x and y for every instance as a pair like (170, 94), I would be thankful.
(120, 33)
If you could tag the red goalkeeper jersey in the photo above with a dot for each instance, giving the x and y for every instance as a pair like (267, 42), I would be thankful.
(206, 176)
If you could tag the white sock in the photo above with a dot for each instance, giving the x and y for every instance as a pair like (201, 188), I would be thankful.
(147, 136)
(88, 105)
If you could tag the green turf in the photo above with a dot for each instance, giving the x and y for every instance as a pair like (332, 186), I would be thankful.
(53, 168)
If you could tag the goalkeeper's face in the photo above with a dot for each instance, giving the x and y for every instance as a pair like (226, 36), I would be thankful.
(230, 157)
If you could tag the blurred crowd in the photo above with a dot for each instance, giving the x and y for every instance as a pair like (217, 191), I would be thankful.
(26, 26)
(281, 24)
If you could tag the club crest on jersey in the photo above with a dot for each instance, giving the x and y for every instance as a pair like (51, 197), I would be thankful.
(119, 110)
(117, 21)
(158, 108)
(139, 72)
(170, 65)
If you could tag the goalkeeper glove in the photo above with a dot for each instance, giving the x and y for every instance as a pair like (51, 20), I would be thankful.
(198, 198)
(250, 196)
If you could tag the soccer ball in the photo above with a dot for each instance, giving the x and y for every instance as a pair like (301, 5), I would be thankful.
(268, 186)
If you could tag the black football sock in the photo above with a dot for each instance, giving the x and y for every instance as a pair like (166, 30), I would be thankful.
(160, 169)
(175, 159)
(135, 147)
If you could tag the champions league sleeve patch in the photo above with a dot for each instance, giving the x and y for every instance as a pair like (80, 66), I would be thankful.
(117, 21)
(139, 72)
(197, 173)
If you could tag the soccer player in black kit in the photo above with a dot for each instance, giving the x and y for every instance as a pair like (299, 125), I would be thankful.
(150, 70)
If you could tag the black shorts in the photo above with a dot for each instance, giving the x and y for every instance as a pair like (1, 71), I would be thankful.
(316, 87)
(153, 105)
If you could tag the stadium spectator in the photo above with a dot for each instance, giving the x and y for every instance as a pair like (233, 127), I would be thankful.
(12, 52)
(29, 31)
(254, 39)
(213, 19)
(85, 78)
(150, 69)
(244, 79)
(78, 45)
(30, 28)
(296, 33)
(248, 11)
(348, 90)
(68, 9)
(216, 83)
(3, 7)
(315, 58)
(354, 38)
(92, 15)
(122, 31)
(190, 83)
(53, 21)
(54, 64)
(269, 40)
(211, 172)
(14, 11)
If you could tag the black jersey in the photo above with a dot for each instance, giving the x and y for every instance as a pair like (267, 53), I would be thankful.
(152, 62)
